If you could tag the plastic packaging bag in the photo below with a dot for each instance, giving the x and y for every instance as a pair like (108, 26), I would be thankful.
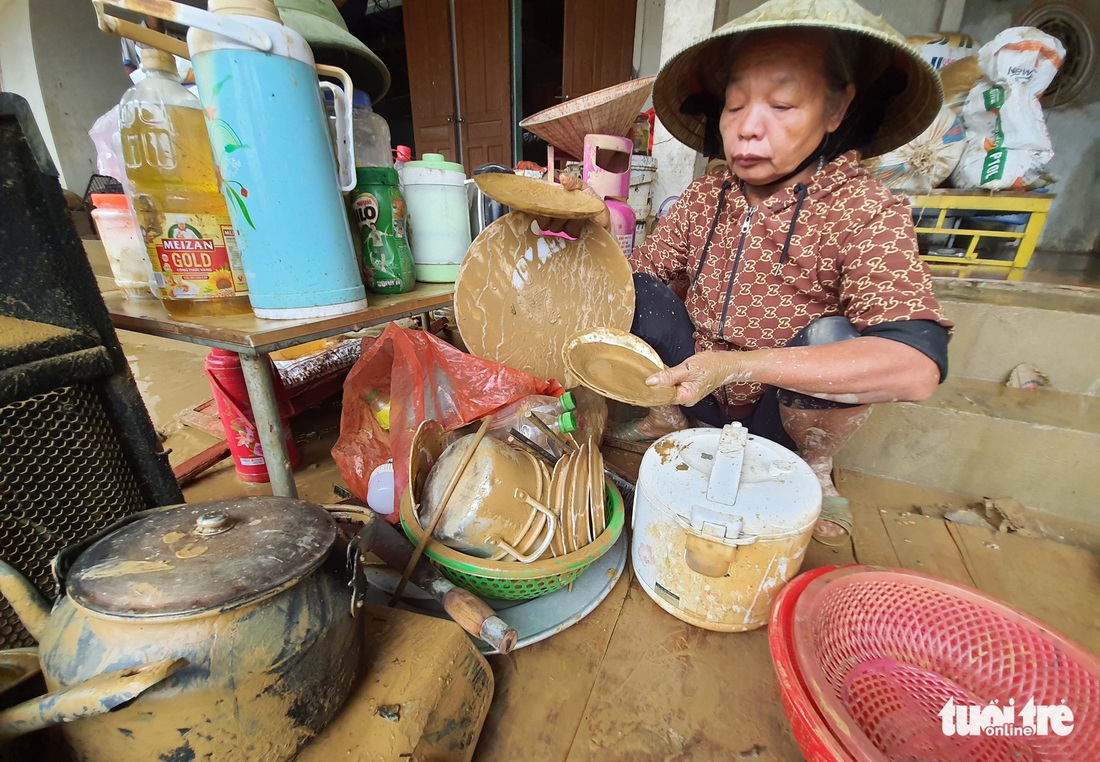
(425, 378)
(1007, 143)
(1023, 56)
(942, 50)
(108, 145)
(923, 163)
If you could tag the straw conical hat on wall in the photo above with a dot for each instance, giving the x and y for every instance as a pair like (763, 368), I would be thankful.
(610, 111)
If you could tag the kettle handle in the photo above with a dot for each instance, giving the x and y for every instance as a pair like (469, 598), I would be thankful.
(226, 26)
(345, 147)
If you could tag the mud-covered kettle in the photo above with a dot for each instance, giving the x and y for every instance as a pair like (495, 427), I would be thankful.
(238, 613)
(258, 84)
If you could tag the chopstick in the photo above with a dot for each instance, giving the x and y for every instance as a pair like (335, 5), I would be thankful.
(518, 436)
(554, 437)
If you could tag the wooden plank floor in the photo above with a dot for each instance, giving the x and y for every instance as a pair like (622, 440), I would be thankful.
(631, 682)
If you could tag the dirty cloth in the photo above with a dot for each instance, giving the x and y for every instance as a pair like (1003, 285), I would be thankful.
(841, 245)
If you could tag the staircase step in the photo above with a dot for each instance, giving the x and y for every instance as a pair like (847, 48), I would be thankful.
(1000, 325)
(978, 438)
(1037, 407)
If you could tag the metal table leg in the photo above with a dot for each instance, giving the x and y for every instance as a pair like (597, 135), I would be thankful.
(269, 424)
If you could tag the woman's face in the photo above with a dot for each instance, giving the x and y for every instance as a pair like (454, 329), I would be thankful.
(778, 107)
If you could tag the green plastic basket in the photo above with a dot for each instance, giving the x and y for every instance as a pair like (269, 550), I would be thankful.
(512, 580)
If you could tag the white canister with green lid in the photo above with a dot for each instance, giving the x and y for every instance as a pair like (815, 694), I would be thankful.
(439, 219)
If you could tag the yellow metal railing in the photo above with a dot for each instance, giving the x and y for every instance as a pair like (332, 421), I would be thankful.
(956, 207)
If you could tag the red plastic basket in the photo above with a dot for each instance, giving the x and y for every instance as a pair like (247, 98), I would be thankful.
(868, 658)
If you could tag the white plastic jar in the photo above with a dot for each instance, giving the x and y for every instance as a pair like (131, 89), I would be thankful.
(439, 219)
(123, 244)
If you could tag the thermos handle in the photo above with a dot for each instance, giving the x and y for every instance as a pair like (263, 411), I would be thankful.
(341, 99)
(145, 36)
(226, 26)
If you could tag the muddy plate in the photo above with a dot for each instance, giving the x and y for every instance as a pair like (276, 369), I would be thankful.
(537, 619)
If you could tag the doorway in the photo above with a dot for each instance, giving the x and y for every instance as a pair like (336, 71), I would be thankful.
(464, 72)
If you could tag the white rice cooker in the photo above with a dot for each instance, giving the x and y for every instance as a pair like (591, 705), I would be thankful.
(721, 521)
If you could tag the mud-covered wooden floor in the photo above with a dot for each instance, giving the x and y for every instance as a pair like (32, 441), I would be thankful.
(631, 682)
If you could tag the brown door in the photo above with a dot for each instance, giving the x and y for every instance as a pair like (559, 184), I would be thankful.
(484, 81)
(599, 45)
(431, 77)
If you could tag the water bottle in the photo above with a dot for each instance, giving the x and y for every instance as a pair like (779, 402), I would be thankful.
(370, 133)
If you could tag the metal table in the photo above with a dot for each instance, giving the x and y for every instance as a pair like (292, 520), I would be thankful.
(254, 338)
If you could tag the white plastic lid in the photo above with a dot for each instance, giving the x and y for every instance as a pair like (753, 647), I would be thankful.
(434, 168)
(729, 485)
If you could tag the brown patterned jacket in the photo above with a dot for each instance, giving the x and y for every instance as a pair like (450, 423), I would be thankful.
(852, 252)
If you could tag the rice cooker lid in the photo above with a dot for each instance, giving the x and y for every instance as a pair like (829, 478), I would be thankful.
(729, 484)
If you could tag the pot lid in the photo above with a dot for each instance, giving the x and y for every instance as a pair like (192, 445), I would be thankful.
(727, 484)
(200, 558)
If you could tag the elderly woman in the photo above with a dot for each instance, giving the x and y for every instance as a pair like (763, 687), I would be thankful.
(805, 298)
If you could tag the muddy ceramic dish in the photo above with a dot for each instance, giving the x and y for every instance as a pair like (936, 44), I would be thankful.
(520, 296)
(494, 504)
(583, 521)
(616, 364)
(539, 197)
(596, 496)
(429, 442)
(557, 545)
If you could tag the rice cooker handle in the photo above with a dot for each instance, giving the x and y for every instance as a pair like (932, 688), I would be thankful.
(729, 458)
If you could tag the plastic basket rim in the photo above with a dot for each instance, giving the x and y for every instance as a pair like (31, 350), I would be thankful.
(813, 685)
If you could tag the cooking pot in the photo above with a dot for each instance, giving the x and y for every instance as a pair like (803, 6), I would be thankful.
(721, 522)
(242, 610)
(498, 508)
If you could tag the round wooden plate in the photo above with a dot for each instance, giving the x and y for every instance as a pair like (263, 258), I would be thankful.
(520, 296)
(616, 364)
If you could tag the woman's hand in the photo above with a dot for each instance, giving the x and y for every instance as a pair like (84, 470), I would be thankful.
(574, 184)
(702, 373)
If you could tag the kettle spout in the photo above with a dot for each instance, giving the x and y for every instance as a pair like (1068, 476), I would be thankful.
(98, 695)
(29, 605)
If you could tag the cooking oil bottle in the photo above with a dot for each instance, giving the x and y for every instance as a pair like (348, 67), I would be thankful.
(181, 211)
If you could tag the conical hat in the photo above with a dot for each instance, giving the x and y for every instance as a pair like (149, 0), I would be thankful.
(610, 111)
(701, 70)
(324, 29)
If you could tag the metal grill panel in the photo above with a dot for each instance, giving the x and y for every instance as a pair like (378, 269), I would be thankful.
(63, 477)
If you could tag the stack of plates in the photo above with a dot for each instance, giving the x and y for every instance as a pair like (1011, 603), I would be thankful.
(577, 500)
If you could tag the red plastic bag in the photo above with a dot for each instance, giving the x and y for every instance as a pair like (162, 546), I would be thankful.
(425, 377)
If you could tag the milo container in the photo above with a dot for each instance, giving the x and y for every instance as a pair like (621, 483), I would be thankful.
(386, 259)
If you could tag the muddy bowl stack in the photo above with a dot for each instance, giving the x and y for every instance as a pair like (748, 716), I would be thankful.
(512, 527)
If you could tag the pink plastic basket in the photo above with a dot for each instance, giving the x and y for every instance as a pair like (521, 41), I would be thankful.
(878, 654)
